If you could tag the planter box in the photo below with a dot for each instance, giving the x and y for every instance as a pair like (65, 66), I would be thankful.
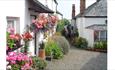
(14, 48)
(96, 50)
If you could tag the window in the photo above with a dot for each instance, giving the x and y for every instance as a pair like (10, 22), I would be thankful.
(13, 22)
(100, 35)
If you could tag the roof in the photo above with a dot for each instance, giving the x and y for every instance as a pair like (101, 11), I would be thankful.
(59, 13)
(97, 27)
(38, 7)
(96, 9)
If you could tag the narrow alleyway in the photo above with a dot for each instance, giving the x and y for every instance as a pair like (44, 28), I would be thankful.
(80, 60)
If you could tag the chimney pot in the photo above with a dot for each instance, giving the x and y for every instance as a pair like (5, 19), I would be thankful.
(82, 6)
(73, 11)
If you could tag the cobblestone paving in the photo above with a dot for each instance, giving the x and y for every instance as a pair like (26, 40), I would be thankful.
(78, 59)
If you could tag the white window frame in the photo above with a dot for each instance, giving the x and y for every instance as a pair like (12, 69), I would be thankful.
(16, 21)
(99, 35)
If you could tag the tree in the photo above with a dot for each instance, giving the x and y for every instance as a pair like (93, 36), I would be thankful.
(61, 24)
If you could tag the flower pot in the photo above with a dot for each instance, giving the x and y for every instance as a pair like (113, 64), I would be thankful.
(42, 53)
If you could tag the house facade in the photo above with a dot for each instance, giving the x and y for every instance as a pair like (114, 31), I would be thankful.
(18, 14)
(92, 22)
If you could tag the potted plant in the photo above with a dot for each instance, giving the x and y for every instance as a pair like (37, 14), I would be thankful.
(48, 52)
(38, 63)
(42, 51)
(26, 37)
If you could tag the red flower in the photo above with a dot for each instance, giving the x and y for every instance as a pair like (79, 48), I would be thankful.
(17, 37)
(27, 36)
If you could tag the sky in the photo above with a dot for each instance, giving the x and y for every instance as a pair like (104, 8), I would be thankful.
(65, 6)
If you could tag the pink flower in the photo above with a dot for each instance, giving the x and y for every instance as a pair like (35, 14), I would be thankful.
(33, 21)
(25, 67)
(12, 53)
(12, 36)
(7, 47)
(13, 62)
(11, 30)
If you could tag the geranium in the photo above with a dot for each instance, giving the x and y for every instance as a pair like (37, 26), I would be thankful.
(40, 21)
(27, 36)
(18, 37)
(13, 39)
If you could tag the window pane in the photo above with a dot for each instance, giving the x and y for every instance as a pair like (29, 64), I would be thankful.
(10, 24)
(103, 35)
(96, 35)
(13, 22)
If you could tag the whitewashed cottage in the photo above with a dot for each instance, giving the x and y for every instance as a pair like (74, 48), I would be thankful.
(92, 21)
(19, 14)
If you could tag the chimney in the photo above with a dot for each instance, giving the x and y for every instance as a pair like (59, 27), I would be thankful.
(82, 6)
(73, 11)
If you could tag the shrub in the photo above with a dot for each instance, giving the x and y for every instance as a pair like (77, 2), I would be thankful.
(63, 43)
(61, 24)
(101, 45)
(52, 47)
(48, 50)
(38, 63)
(81, 42)
(58, 33)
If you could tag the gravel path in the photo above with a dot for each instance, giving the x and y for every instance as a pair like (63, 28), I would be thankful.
(78, 59)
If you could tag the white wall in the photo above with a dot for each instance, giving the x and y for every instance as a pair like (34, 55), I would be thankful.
(13, 8)
(17, 8)
(88, 33)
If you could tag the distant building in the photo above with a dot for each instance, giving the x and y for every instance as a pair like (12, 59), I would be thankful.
(92, 21)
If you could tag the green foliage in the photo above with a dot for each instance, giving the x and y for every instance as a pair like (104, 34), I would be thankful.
(38, 63)
(10, 42)
(76, 33)
(51, 47)
(63, 43)
(101, 45)
(58, 33)
(48, 50)
(81, 42)
(15, 67)
(61, 24)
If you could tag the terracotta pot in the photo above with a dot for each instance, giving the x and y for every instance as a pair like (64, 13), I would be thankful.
(42, 53)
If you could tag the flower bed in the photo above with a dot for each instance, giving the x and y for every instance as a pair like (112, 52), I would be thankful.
(18, 61)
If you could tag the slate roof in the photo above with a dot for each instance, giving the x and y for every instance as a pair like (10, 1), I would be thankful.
(97, 27)
(96, 9)
(38, 7)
